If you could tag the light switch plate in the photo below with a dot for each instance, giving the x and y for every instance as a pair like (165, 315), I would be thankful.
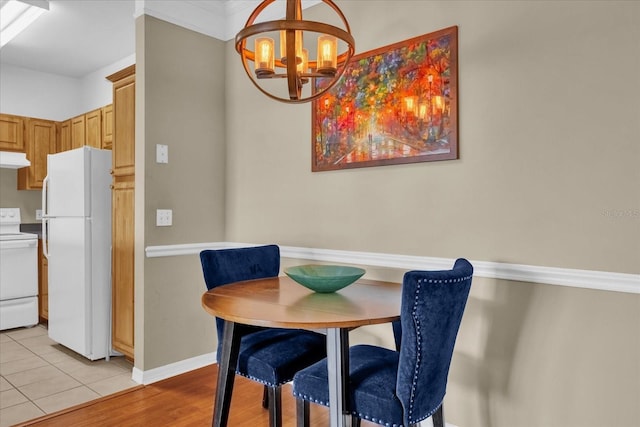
(38, 214)
(162, 153)
(164, 217)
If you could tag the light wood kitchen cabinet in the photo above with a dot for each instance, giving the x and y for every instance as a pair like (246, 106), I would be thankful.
(40, 140)
(93, 128)
(123, 208)
(107, 127)
(77, 132)
(123, 266)
(43, 284)
(124, 91)
(12, 133)
(64, 136)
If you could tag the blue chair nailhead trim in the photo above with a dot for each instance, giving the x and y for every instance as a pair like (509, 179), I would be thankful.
(310, 399)
(377, 421)
(418, 349)
(419, 342)
(430, 413)
(261, 381)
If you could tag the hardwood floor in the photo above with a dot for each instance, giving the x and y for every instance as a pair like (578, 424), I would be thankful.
(184, 400)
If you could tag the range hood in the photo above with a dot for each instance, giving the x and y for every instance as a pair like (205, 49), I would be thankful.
(13, 160)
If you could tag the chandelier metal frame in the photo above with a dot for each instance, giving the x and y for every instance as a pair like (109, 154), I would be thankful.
(293, 23)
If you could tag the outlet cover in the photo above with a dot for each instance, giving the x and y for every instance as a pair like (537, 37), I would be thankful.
(162, 153)
(164, 217)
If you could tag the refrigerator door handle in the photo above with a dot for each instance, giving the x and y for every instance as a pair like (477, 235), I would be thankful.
(45, 188)
(45, 237)
(45, 217)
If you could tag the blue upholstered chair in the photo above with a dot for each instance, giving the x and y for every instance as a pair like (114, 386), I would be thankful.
(270, 356)
(401, 388)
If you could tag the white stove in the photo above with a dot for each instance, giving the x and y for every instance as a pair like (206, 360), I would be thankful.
(18, 272)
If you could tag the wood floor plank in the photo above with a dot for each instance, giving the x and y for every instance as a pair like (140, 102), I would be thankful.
(182, 401)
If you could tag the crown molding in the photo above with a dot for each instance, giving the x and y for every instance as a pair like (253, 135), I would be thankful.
(221, 19)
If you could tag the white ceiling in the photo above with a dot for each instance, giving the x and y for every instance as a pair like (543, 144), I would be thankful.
(78, 37)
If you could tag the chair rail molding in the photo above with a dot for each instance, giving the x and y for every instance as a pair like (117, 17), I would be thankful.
(589, 279)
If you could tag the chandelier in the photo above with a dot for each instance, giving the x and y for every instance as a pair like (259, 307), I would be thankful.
(294, 63)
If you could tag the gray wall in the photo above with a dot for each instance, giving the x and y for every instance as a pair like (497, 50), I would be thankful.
(548, 145)
(548, 175)
(180, 103)
(11, 197)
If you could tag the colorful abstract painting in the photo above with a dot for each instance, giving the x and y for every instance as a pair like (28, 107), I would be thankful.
(395, 104)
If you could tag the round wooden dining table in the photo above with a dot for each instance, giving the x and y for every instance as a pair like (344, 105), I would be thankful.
(280, 302)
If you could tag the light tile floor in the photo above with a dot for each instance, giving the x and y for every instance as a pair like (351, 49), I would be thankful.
(39, 376)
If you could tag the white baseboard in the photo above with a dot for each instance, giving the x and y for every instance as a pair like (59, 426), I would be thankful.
(429, 423)
(590, 279)
(172, 369)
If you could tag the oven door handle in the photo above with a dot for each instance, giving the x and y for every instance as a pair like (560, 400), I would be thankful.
(18, 244)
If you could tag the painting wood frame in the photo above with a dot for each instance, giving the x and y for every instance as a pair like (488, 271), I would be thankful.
(396, 104)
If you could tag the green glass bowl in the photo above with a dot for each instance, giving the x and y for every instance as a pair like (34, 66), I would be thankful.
(324, 278)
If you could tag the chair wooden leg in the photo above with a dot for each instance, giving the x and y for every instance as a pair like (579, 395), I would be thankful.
(302, 413)
(438, 417)
(265, 397)
(275, 406)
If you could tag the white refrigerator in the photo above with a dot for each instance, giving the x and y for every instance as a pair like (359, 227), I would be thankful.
(76, 225)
